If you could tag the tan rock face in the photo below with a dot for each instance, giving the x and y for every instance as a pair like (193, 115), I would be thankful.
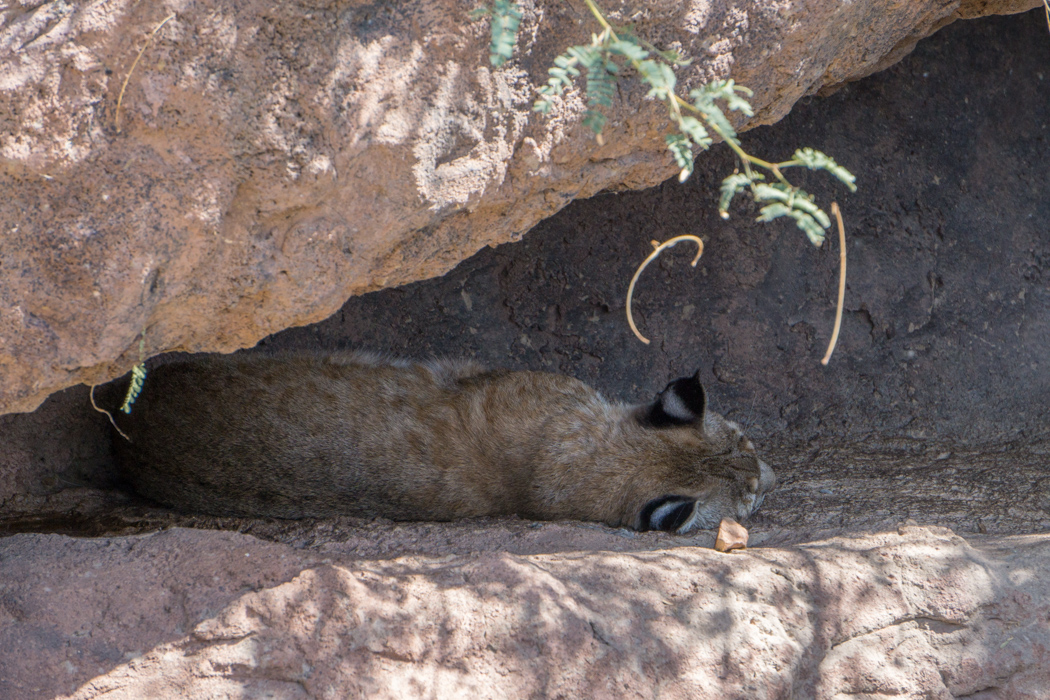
(186, 613)
(268, 161)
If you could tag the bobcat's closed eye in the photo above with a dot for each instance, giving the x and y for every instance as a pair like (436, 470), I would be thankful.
(295, 436)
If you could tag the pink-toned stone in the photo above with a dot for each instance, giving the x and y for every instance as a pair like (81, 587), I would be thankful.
(731, 535)
(188, 613)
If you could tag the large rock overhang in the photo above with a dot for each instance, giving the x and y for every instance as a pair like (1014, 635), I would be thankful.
(260, 164)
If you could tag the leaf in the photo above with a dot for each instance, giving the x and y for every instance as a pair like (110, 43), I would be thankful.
(704, 100)
(138, 378)
(804, 202)
(682, 149)
(727, 90)
(506, 17)
(734, 101)
(812, 229)
(692, 127)
(561, 75)
(600, 88)
(595, 120)
(731, 186)
(601, 77)
(777, 192)
(796, 204)
(628, 49)
(794, 199)
(773, 211)
(660, 77)
(815, 160)
(704, 103)
(601, 82)
(543, 105)
(587, 56)
(675, 57)
(565, 66)
(803, 220)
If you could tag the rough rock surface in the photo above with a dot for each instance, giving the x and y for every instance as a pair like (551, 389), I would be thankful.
(915, 613)
(269, 160)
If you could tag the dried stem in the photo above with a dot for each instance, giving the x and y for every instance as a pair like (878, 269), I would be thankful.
(659, 248)
(842, 283)
(109, 415)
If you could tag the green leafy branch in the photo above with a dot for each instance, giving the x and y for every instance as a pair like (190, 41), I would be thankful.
(697, 121)
(506, 17)
(138, 378)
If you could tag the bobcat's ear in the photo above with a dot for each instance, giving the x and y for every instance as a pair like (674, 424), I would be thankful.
(683, 402)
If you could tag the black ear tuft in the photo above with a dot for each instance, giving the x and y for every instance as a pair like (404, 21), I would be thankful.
(667, 513)
(683, 402)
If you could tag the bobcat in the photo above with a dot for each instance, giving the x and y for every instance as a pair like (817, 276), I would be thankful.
(303, 435)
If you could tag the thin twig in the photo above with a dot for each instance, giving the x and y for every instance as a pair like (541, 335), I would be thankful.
(842, 283)
(593, 7)
(659, 248)
(124, 87)
(91, 395)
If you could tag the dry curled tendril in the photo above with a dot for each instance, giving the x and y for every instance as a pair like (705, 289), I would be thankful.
(658, 248)
(842, 283)
(138, 378)
(661, 247)
(91, 395)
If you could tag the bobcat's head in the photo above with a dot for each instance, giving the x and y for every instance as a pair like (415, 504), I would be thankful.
(706, 468)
